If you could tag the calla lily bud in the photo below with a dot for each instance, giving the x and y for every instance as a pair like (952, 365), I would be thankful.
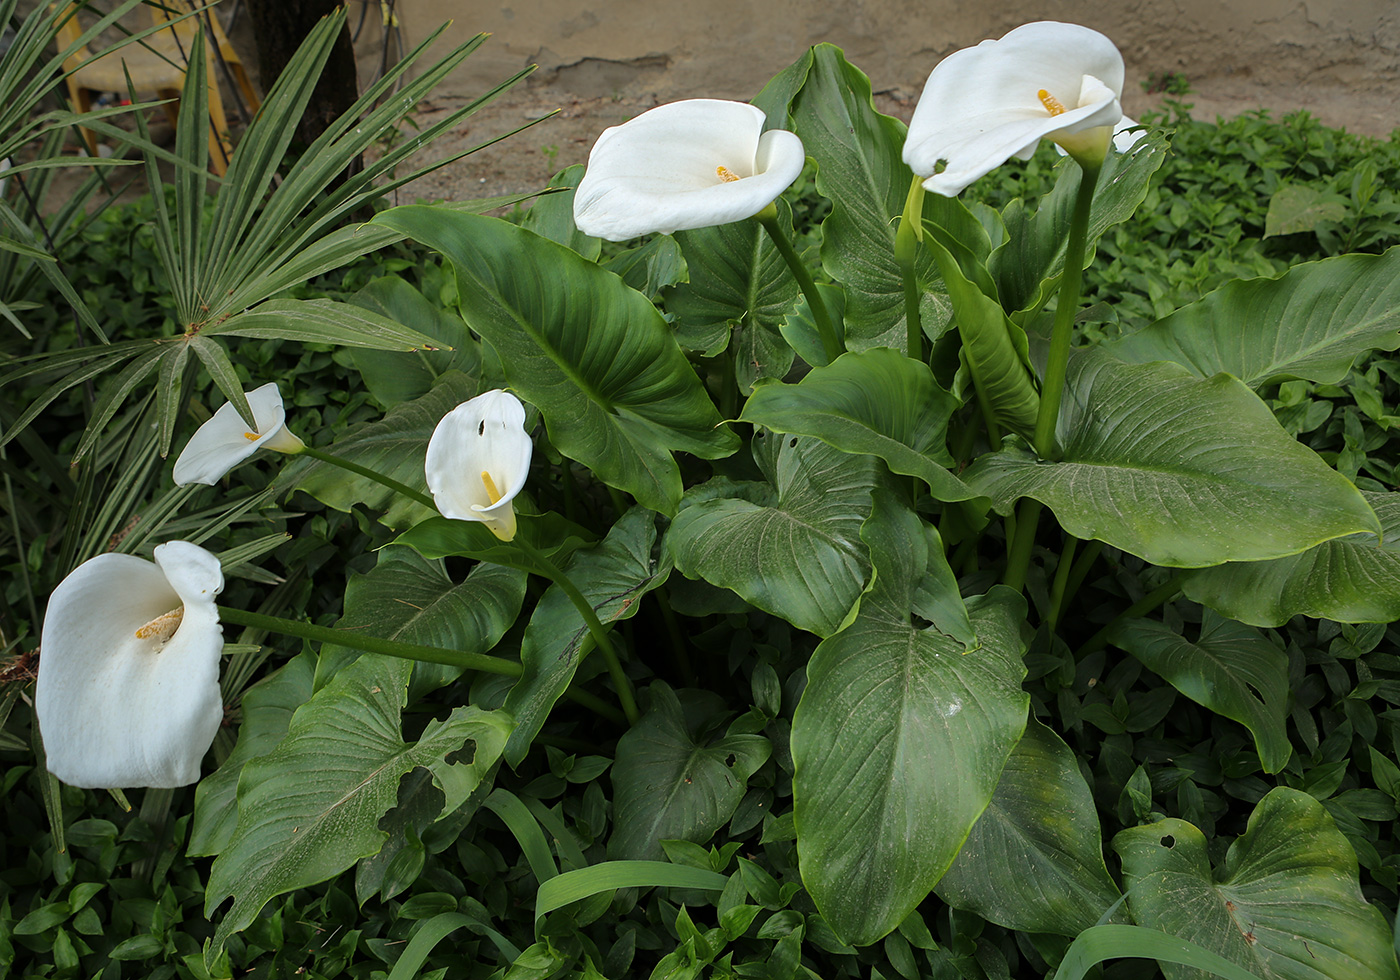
(128, 688)
(225, 440)
(478, 460)
(984, 105)
(684, 165)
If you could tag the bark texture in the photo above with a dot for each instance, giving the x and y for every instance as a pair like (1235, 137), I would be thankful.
(279, 27)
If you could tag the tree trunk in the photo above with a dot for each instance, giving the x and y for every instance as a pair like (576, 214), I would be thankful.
(279, 27)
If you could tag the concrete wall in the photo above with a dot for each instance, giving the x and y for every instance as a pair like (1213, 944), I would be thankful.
(728, 48)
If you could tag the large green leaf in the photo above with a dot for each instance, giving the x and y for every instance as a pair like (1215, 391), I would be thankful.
(738, 279)
(268, 707)
(1311, 322)
(408, 598)
(1355, 579)
(552, 215)
(876, 401)
(399, 377)
(1027, 267)
(994, 348)
(613, 576)
(1232, 669)
(595, 357)
(1034, 860)
(1286, 905)
(551, 534)
(673, 780)
(394, 446)
(311, 808)
(857, 152)
(1177, 470)
(790, 546)
(901, 734)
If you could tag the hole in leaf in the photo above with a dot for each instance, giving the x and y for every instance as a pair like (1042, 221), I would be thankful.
(793, 443)
(464, 755)
(1168, 841)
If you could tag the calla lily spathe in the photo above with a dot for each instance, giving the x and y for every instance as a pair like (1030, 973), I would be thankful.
(225, 440)
(684, 165)
(478, 460)
(128, 687)
(986, 104)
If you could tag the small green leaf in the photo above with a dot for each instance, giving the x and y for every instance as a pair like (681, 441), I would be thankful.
(673, 783)
(42, 919)
(1299, 207)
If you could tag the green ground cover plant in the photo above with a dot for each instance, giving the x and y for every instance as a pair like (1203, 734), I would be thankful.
(797, 664)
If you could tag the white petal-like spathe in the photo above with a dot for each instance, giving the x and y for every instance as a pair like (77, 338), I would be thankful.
(662, 171)
(225, 440)
(128, 695)
(981, 105)
(484, 435)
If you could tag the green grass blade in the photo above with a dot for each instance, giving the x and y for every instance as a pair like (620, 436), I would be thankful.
(518, 820)
(116, 393)
(571, 886)
(1110, 942)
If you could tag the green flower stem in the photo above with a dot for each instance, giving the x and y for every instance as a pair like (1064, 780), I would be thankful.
(618, 501)
(673, 629)
(831, 340)
(552, 572)
(1062, 570)
(906, 249)
(405, 651)
(1080, 572)
(1146, 604)
(369, 474)
(1018, 561)
(1052, 388)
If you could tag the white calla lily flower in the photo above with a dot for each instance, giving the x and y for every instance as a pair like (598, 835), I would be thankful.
(128, 688)
(225, 440)
(684, 165)
(478, 460)
(986, 104)
(1126, 133)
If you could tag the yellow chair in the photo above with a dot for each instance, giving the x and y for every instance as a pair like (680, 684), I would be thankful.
(155, 65)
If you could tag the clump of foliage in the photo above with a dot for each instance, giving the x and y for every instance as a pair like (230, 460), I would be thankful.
(1159, 752)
